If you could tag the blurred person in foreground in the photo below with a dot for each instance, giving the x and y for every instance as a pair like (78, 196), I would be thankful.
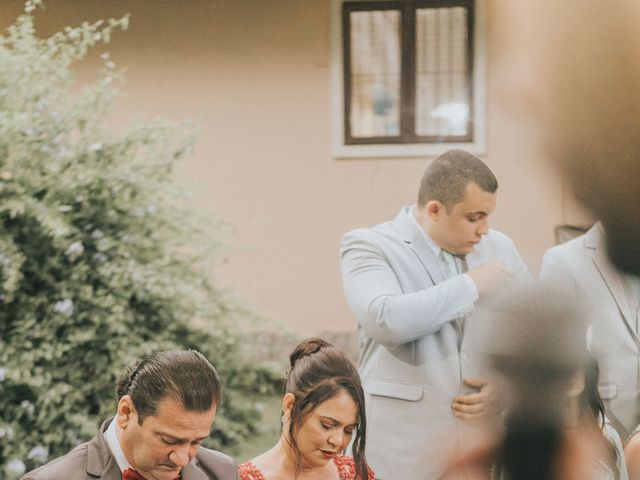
(555, 427)
(323, 410)
(413, 284)
(585, 409)
(166, 406)
(632, 455)
(611, 302)
(579, 71)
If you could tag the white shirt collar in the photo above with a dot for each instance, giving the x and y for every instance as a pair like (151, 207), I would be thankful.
(435, 248)
(113, 441)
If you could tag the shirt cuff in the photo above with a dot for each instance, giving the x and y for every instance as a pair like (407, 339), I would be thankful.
(472, 287)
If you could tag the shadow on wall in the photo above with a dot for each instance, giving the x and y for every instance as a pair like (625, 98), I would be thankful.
(564, 233)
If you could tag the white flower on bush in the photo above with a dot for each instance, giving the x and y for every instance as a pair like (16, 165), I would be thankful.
(100, 257)
(16, 467)
(64, 307)
(94, 147)
(3, 374)
(39, 454)
(74, 250)
(97, 234)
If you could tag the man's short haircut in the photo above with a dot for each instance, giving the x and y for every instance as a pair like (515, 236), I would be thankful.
(184, 376)
(447, 177)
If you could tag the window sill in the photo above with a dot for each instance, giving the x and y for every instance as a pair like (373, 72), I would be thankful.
(406, 150)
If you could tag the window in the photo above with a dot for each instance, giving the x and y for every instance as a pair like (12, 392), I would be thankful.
(410, 76)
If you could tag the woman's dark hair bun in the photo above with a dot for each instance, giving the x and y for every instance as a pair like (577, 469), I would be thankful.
(306, 348)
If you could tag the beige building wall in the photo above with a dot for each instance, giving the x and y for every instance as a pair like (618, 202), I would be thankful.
(256, 75)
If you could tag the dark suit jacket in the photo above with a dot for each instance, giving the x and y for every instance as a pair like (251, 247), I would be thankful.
(93, 459)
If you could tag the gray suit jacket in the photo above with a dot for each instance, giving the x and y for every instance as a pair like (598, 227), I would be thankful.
(414, 353)
(93, 459)
(582, 267)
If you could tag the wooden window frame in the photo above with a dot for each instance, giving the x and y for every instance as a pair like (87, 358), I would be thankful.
(407, 143)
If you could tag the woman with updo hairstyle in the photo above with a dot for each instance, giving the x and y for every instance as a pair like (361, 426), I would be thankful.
(322, 411)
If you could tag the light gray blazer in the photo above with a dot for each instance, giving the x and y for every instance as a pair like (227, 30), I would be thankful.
(93, 459)
(584, 270)
(413, 353)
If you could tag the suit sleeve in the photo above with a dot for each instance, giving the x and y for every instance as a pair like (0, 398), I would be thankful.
(382, 308)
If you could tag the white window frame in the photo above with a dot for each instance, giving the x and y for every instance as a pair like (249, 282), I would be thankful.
(341, 150)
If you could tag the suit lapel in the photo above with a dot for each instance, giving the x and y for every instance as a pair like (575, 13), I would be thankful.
(612, 278)
(100, 462)
(408, 230)
(192, 472)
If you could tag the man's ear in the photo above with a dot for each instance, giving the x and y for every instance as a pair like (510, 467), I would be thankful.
(126, 412)
(434, 210)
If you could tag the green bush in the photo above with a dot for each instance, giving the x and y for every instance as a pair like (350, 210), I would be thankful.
(100, 261)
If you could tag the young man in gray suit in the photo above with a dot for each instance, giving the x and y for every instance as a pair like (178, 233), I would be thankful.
(413, 284)
(609, 299)
(166, 406)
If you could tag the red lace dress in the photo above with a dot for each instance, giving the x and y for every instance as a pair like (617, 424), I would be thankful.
(346, 470)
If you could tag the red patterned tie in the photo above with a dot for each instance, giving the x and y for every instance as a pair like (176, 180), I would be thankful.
(131, 474)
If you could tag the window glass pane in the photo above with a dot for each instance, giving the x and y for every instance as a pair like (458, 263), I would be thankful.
(442, 89)
(375, 73)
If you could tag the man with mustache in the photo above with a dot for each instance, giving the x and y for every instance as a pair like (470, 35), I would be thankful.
(166, 406)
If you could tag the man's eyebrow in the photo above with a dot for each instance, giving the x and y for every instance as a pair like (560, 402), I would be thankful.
(478, 212)
(177, 439)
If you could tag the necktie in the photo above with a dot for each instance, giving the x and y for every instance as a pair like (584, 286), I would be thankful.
(131, 474)
(450, 262)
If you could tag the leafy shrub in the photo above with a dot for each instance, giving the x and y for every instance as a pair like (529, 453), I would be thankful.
(100, 261)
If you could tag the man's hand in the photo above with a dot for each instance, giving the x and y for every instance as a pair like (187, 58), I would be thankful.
(491, 276)
(479, 406)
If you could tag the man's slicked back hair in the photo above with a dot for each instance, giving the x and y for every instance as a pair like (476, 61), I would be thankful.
(184, 376)
(447, 177)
